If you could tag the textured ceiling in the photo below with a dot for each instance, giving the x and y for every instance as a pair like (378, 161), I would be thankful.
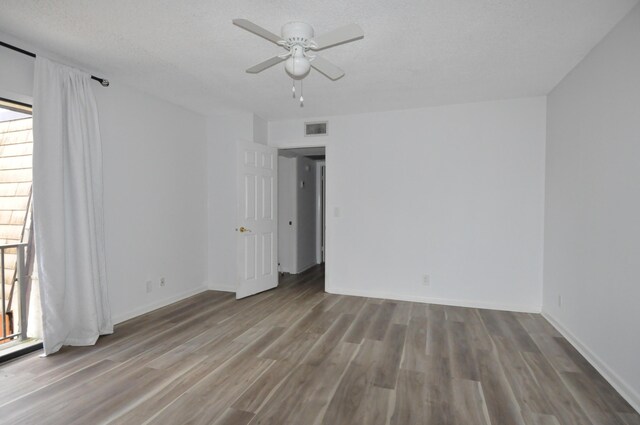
(415, 53)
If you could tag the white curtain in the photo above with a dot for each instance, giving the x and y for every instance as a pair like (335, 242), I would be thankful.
(67, 208)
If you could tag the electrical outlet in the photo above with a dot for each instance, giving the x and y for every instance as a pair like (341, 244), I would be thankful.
(163, 282)
(426, 280)
(149, 286)
(560, 301)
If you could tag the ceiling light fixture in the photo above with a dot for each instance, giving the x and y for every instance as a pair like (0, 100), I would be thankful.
(299, 64)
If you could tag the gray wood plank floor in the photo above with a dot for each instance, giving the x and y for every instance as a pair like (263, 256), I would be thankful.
(296, 355)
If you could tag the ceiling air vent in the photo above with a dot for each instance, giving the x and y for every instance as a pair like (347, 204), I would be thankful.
(315, 128)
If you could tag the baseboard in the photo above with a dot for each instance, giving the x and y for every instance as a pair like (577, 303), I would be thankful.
(223, 287)
(158, 304)
(430, 300)
(624, 389)
(304, 268)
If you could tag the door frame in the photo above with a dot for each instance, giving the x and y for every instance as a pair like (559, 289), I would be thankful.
(321, 210)
(293, 144)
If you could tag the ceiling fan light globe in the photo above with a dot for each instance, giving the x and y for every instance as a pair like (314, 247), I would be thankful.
(297, 67)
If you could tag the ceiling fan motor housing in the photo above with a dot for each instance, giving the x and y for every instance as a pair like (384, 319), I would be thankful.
(297, 33)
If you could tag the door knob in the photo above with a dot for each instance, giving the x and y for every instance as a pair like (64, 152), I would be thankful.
(243, 229)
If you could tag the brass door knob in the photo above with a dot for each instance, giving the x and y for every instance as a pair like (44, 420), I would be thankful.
(243, 229)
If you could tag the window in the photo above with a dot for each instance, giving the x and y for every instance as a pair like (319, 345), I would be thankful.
(16, 253)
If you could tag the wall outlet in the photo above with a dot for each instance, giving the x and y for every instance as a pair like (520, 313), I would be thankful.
(560, 301)
(163, 282)
(426, 280)
(149, 286)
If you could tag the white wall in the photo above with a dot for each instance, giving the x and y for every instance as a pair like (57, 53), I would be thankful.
(154, 186)
(16, 73)
(296, 242)
(305, 224)
(592, 225)
(260, 130)
(155, 203)
(455, 192)
(286, 214)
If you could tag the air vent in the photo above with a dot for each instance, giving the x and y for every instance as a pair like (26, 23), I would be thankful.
(315, 128)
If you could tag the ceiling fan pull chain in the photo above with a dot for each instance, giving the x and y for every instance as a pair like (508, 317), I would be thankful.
(294, 81)
(301, 98)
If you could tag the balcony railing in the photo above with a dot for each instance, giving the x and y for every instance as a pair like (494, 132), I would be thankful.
(14, 300)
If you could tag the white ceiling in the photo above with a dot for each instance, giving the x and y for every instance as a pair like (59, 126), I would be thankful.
(415, 53)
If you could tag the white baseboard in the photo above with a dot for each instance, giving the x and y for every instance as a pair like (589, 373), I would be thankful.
(430, 300)
(222, 287)
(304, 268)
(158, 304)
(625, 390)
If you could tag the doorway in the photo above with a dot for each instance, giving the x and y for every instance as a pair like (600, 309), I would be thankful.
(301, 209)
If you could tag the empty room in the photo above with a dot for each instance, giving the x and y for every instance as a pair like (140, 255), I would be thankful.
(329, 213)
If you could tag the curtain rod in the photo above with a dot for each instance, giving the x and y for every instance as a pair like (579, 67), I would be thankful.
(103, 81)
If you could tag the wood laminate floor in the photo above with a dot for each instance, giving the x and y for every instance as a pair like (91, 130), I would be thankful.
(296, 355)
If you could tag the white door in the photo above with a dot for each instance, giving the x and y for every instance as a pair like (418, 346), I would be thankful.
(257, 229)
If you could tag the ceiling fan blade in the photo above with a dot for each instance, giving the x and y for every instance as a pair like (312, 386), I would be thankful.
(326, 68)
(264, 65)
(341, 35)
(257, 30)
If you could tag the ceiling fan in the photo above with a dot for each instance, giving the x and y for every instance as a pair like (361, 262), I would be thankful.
(298, 39)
